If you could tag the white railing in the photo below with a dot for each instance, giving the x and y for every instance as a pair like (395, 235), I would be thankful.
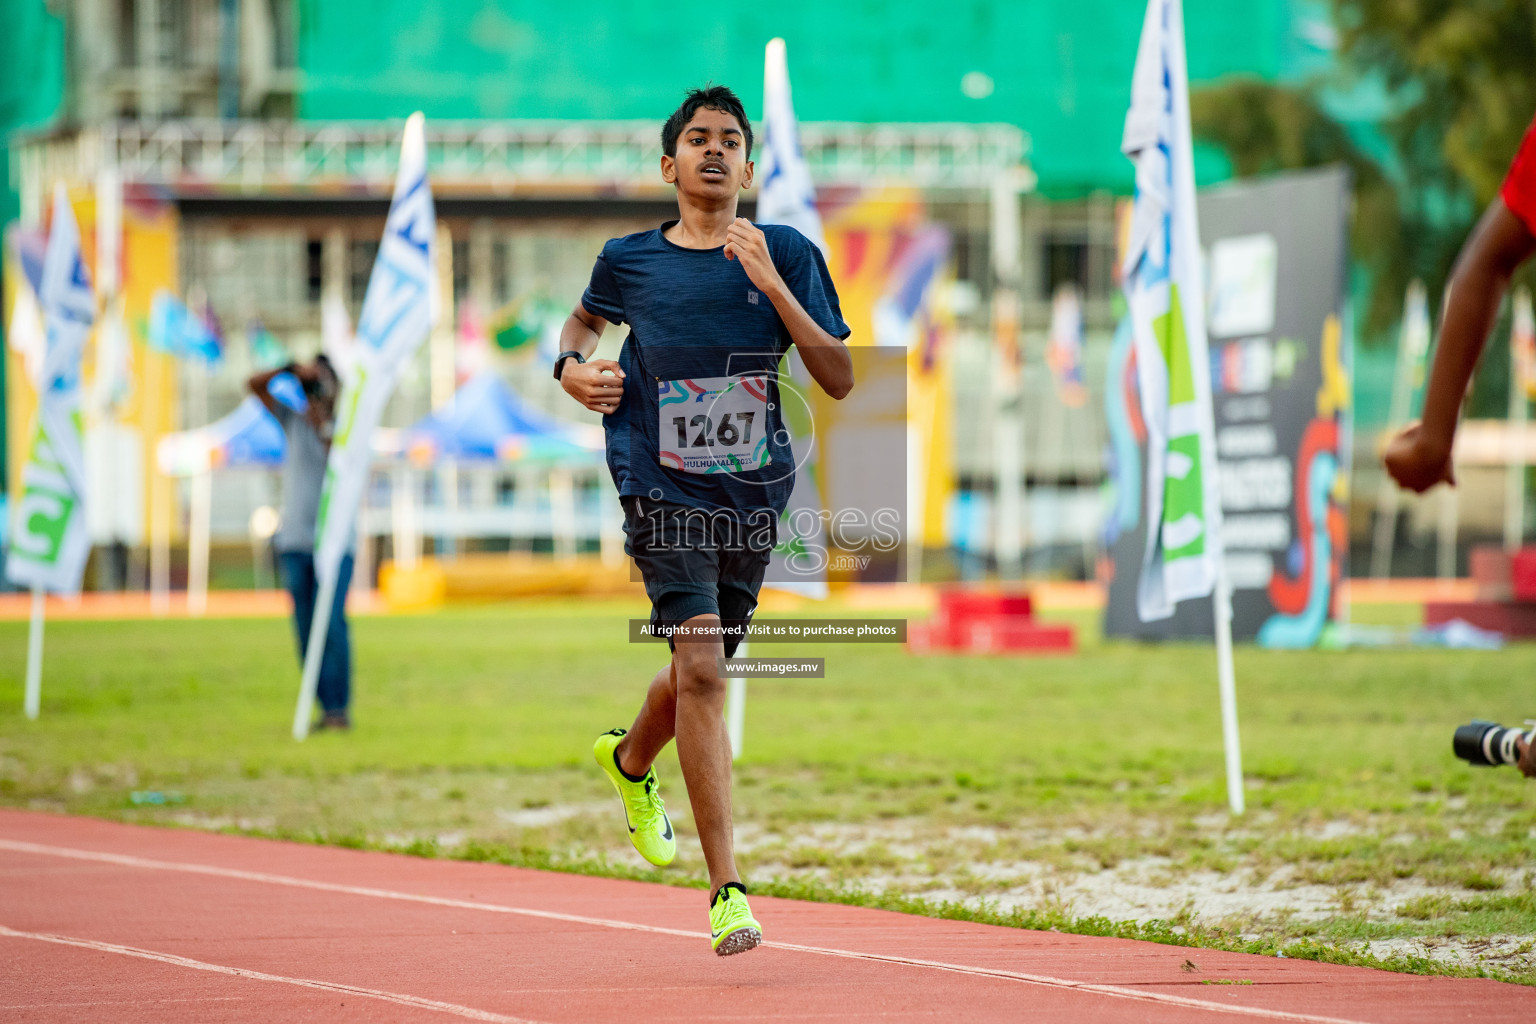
(253, 157)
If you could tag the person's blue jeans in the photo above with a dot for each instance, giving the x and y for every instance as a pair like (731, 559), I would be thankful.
(335, 684)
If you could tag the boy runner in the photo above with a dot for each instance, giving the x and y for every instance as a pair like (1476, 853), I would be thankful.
(1505, 237)
(698, 450)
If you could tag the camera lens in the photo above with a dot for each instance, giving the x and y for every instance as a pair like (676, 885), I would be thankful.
(1486, 743)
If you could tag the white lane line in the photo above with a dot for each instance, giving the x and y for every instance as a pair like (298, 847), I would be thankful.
(351, 890)
(1113, 991)
(1117, 991)
(467, 1012)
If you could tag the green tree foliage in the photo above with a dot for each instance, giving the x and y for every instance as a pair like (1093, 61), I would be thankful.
(1463, 75)
(1266, 128)
(1460, 77)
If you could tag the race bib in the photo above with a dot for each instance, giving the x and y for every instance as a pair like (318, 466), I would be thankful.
(713, 424)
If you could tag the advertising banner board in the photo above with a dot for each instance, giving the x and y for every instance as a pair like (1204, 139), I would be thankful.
(1276, 263)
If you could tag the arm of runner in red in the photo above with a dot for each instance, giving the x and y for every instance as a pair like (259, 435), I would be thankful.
(1420, 457)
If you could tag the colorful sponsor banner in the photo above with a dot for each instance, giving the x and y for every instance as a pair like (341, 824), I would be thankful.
(1413, 344)
(1164, 287)
(522, 323)
(267, 352)
(398, 312)
(883, 253)
(25, 333)
(1282, 404)
(1064, 350)
(1522, 341)
(50, 538)
(124, 375)
(177, 330)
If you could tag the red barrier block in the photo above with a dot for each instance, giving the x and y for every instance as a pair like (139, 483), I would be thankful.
(958, 604)
(1522, 574)
(1512, 618)
(991, 635)
(998, 635)
(1490, 569)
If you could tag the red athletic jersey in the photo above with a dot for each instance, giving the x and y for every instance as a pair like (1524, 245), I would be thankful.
(1519, 192)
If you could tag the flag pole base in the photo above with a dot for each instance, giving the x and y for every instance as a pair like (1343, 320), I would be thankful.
(33, 701)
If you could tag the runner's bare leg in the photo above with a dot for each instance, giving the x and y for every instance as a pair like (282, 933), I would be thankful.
(654, 726)
(696, 693)
(704, 748)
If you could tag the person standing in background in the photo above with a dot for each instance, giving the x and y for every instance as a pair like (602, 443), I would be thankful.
(308, 436)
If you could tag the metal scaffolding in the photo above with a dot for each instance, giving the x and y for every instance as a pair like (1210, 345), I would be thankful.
(495, 158)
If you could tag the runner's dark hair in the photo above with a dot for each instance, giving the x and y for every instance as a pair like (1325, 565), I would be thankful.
(711, 97)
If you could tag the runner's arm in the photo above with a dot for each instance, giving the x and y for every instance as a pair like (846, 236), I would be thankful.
(1420, 457)
(825, 357)
(597, 385)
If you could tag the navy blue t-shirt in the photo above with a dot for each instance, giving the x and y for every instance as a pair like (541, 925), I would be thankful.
(693, 313)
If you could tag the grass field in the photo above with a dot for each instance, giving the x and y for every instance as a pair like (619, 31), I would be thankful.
(1082, 793)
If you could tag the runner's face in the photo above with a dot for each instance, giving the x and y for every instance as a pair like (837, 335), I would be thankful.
(711, 159)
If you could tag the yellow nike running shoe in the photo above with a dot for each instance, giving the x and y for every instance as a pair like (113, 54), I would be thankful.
(732, 928)
(650, 830)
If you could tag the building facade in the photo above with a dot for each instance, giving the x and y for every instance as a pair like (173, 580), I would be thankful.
(264, 129)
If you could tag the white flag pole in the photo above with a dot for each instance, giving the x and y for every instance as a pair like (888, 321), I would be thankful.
(314, 654)
(51, 539)
(198, 542)
(787, 195)
(1226, 681)
(401, 304)
(34, 696)
(1514, 471)
(736, 707)
(1164, 288)
(1412, 340)
(1221, 593)
(1520, 369)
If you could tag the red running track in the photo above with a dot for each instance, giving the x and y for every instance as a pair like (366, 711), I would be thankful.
(108, 922)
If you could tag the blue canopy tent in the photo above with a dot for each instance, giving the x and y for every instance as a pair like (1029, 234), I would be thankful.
(487, 426)
(487, 421)
(247, 438)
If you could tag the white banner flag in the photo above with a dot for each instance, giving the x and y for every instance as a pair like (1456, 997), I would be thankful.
(1165, 291)
(788, 196)
(1164, 287)
(51, 538)
(399, 309)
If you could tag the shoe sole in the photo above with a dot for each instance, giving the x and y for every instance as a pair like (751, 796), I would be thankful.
(739, 941)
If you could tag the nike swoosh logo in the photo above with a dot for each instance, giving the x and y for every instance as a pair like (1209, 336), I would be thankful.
(668, 834)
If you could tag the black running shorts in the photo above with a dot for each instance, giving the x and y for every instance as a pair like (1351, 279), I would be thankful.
(696, 562)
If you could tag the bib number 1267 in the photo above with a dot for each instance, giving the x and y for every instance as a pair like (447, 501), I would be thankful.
(713, 424)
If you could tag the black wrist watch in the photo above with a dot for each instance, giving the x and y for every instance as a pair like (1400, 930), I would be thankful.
(562, 357)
